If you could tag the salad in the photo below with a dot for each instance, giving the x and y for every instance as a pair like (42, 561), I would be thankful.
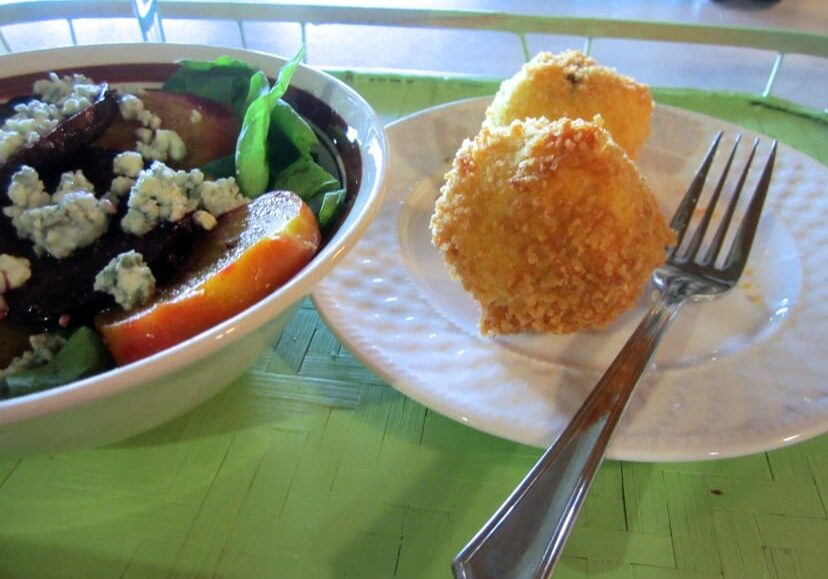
(131, 219)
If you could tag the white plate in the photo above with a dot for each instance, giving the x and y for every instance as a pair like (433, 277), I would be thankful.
(742, 374)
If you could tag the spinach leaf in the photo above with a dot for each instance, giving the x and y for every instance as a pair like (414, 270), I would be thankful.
(82, 355)
(332, 203)
(294, 130)
(211, 65)
(259, 85)
(305, 178)
(221, 167)
(290, 139)
(252, 171)
(225, 80)
(276, 147)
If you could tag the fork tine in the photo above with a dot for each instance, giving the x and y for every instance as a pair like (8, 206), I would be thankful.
(738, 254)
(701, 229)
(681, 218)
(718, 238)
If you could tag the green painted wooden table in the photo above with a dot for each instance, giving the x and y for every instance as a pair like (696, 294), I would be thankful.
(311, 466)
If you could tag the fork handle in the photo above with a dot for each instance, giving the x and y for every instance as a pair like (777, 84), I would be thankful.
(526, 536)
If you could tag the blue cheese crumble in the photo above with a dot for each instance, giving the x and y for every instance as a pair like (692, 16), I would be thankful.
(154, 143)
(128, 279)
(14, 272)
(77, 220)
(26, 191)
(71, 93)
(220, 196)
(161, 145)
(119, 187)
(61, 223)
(60, 98)
(132, 109)
(164, 194)
(159, 194)
(10, 142)
(205, 220)
(128, 164)
(70, 182)
(29, 122)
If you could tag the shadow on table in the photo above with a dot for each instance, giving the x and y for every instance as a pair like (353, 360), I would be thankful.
(257, 399)
(429, 494)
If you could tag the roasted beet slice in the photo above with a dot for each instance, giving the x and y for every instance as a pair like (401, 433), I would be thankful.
(69, 138)
(65, 286)
(9, 242)
(58, 149)
(94, 162)
(96, 165)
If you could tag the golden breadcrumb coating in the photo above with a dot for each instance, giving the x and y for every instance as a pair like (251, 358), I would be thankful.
(573, 85)
(549, 226)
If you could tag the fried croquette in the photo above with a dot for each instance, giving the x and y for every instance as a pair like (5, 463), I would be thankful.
(573, 85)
(549, 225)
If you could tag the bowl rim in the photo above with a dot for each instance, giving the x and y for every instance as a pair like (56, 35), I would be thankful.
(374, 152)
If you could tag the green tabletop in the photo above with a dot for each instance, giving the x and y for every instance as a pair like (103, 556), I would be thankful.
(311, 466)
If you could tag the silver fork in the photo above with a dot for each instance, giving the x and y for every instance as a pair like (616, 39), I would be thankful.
(526, 536)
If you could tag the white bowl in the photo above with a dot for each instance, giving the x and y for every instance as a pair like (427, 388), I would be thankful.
(131, 399)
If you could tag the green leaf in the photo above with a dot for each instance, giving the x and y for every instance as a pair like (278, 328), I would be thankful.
(252, 170)
(285, 74)
(82, 355)
(290, 138)
(225, 80)
(332, 204)
(292, 129)
(305, 178)
(211, 65)
(259, 85)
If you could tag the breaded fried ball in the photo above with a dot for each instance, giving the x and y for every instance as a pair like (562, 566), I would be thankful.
(573, 85)
(549, 226)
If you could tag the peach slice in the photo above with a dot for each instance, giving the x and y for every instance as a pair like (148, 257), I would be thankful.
(212, 135)
(251, 252)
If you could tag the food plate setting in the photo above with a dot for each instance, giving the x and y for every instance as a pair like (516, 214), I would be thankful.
(434, 389)
(737, 375)
(346, 143)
